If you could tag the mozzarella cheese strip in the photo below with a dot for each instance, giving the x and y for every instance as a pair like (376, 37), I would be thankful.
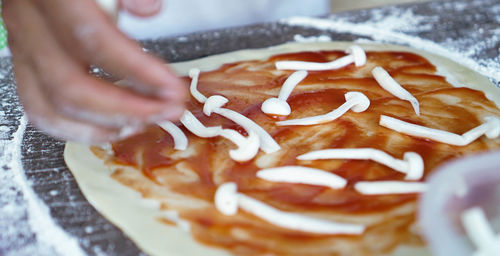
(247, 147)
(226, 198)
(227, 201)
(355, 101)
(296, 221)
(267, 143)
(491, 128)
(180, 139)
(194, 73)
(412, 163)
(291, 82)
(480, 232)
(389, 84)
(214, 103)
(279, 106)
(197, 128)
(356, 55)
(302, 175)
(389, 187)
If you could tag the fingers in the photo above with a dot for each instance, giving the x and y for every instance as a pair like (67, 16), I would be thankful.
(72, 91)
(41, 114)
(142, 8)
(88, 32)
(93, 100)
(58, 94)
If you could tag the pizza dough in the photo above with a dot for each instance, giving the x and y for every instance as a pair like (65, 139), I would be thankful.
(139, 217)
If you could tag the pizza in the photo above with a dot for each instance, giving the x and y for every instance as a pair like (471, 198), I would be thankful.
(298, 149)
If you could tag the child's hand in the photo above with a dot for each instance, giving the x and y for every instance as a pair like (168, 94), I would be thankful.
(53, 43)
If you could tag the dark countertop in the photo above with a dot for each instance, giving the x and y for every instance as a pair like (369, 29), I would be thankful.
(42, 211)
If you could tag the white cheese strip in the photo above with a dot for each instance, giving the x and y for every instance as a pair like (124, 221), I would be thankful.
(412, 163)
(267, 143)
(214, 104)
(197, 128)
(279, 106)
(314, 66)
(296, 221)
(275, 106)
(389, 187)
(226, 198)
(389, 84)
(194, 73)
(491, 129)
(302, 175)
(478, 228)
(248, 147)
(180, 139)
(227, 201)
(355, 101)
(291, 82)
(356, 55)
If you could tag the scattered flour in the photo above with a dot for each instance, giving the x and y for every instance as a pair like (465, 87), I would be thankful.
(309, 39)
(89, 229)
(402, 26)
(49, 235)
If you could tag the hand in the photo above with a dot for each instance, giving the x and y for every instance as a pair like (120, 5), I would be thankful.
(53, 43)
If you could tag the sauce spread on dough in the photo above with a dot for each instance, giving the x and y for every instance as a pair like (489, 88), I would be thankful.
(246, 85)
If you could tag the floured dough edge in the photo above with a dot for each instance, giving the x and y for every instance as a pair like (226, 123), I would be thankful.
(136, 216)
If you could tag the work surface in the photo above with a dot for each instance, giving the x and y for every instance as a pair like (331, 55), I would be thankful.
(42, 211)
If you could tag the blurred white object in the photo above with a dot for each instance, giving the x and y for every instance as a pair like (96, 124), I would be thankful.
(455, 188)
(109, 6)
(480, 232)
(187, 16)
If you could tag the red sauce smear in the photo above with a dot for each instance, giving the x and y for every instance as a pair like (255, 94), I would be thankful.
(319, 93)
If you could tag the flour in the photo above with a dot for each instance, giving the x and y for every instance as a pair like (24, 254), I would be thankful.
(48, 234)
(398, 25)
(302, 39)
(26, 225)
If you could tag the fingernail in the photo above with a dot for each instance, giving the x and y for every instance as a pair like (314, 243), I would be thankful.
(143, 7)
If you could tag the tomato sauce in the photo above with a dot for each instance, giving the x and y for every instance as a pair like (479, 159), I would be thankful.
(319, 93)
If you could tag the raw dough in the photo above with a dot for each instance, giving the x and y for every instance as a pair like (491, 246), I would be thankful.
(137, 216)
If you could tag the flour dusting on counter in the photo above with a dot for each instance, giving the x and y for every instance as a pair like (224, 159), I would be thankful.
(49, 236)
(399, 25)
(39, 218)
(309, 39)
(27, 228)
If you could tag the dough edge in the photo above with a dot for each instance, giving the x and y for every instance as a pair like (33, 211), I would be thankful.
(136, 216)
